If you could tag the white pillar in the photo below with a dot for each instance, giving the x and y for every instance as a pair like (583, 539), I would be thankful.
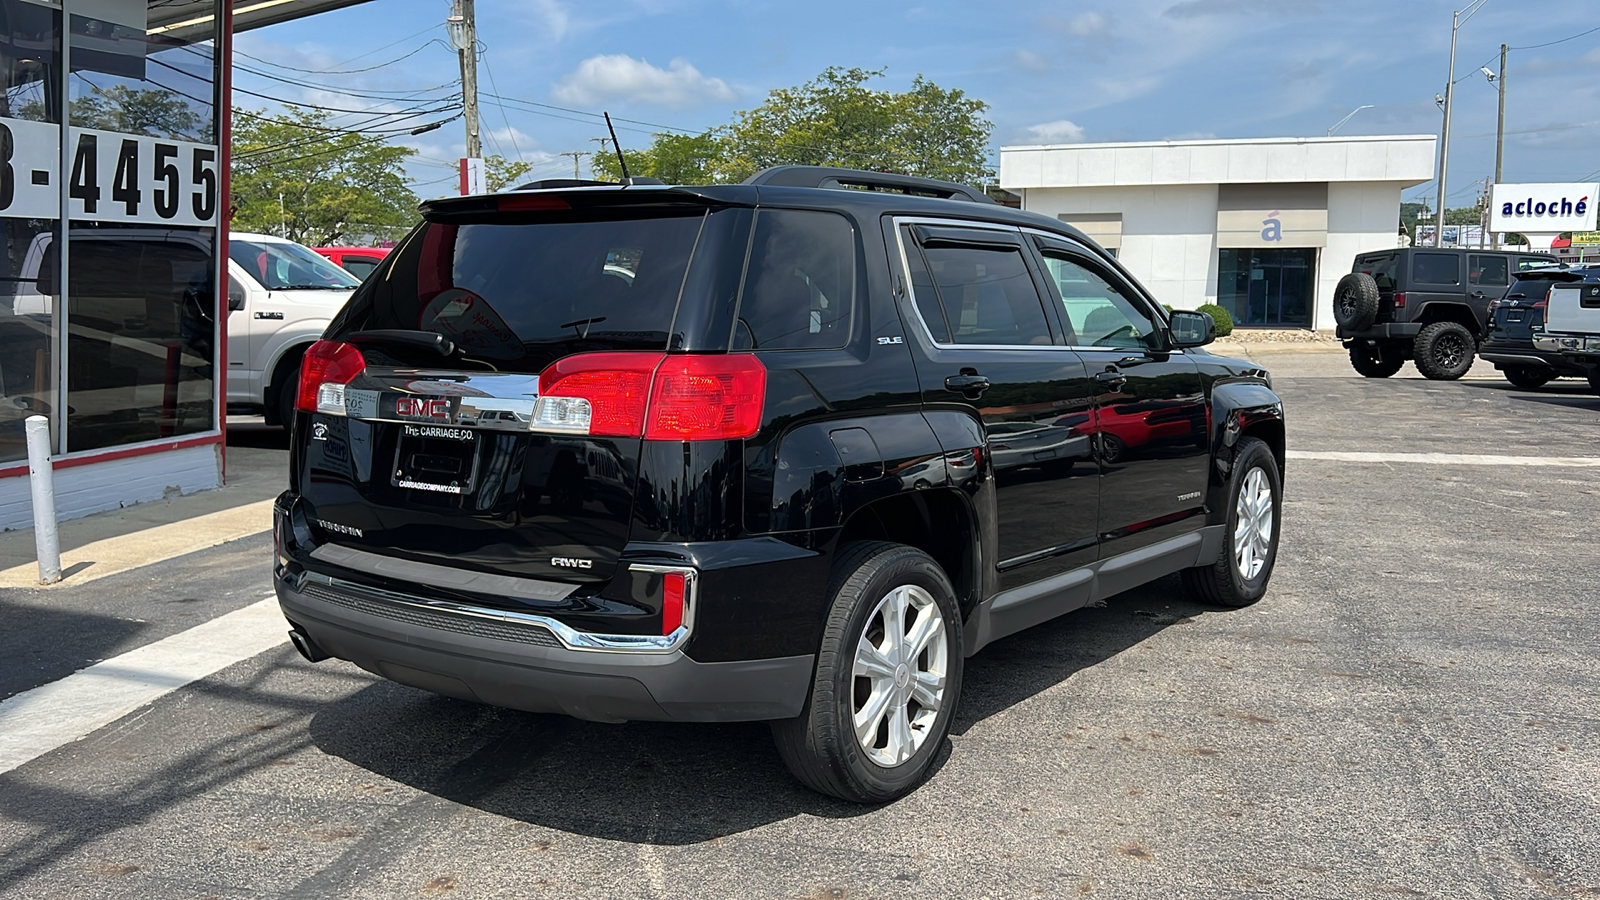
(41, 476)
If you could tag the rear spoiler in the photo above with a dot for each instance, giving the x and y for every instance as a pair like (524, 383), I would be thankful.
(589, 196)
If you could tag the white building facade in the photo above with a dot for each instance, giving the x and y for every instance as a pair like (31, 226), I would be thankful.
(1264, 227)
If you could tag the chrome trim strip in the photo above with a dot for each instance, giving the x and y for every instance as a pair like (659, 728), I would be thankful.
(570, 638)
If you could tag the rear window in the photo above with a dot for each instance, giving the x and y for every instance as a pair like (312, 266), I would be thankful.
(1382, 267)
(1435, 268)
(519, 294)
(800, 285)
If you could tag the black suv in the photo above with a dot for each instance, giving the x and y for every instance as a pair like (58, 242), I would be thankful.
(1518, 318)
(1425, 304)
(786, 450)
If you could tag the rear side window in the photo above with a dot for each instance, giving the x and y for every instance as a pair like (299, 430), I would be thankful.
(1384, 268)
(1524, 263)
(800, 286)
(980, 295)
(1489, 271)
(1435, 268)
(518, 294)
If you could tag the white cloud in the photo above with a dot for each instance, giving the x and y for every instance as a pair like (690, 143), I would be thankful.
(1029, 61)
(552, 16)
(1061, 131)
(608, 77)
(1086, 24)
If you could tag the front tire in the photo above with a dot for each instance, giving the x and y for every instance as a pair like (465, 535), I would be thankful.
(1443, 351)
(1527, 377)
(1375, 360)
(887, 679)
(1255, 501)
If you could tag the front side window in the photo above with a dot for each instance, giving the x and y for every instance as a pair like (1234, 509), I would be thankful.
(1435, 268)
(1489, 271)
(800, 284)
(1095, 312)
(289, 267)
(970, 294)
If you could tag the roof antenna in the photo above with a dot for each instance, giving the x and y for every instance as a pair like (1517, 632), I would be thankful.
(617, 147)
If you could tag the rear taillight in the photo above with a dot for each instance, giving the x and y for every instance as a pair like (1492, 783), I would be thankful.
(1539, 304)
(674, 587)
(1399, 301)
(661, 397)
(706, 398)
(324, 371)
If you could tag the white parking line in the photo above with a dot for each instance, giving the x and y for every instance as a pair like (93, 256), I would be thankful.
(1447, 459)
(37, 721)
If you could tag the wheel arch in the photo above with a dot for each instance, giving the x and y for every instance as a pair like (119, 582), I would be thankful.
(938, 521)
(1459, 313)
(1239, 410)
(287, 355)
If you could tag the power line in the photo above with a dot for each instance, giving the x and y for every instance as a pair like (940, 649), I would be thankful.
(381, 65)
(1561, 41)
(511, 132)
(387, 46)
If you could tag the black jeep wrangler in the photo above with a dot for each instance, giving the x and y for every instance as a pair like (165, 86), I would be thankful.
(1426, 304)
(786, 450)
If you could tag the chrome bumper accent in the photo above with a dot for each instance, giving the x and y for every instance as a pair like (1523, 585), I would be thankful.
(1568, 342)
(569, 638)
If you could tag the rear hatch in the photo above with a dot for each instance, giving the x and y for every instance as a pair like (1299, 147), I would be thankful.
(436, 364)
(1384, 267)
(1521, 312)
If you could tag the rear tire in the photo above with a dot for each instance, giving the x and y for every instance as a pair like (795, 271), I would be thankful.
(1594, 380)
(1375, 360)
(1355, 301)
(284, 389)
(1443, 351)
(1527, 377)
(903, 696)
(1255, 502)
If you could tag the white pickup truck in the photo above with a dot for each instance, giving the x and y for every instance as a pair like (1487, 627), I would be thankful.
(281, 296)
(1572, 326)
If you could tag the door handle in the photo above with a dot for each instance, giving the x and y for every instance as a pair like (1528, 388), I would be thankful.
(968, 384)
(1110, 378)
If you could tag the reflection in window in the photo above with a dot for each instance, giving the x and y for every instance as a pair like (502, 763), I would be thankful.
(801, 280)
(30, 51)
(1096, 312)
(134, 76)
(141, 322)
(985, 296)
(1491, 271)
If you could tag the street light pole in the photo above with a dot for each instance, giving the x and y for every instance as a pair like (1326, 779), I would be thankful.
(1456, 21)
(1335, 126)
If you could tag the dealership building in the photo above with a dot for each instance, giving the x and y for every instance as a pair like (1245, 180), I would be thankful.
(114, 123)
(1262, 227)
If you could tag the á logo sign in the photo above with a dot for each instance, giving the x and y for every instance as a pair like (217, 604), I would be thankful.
(1274, 228)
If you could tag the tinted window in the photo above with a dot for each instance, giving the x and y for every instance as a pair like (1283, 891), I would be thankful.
(1524, 263)
(1531, 288)
(1384, 269)
(1435, 268)
(289, 267)
(359, 266)
(985, 296)
(520, 294)
(1097, 314)
(800, 284)
(1490, 271)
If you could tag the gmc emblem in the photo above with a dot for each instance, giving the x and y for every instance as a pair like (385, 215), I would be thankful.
(423, 408)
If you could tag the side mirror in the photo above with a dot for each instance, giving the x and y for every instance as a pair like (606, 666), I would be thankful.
(235, 297)
(1192, 329)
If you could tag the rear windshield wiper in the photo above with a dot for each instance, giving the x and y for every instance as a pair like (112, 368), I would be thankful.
(314, 287)
(408, 338)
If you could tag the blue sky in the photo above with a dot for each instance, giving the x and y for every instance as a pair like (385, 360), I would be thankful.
(1051, 72)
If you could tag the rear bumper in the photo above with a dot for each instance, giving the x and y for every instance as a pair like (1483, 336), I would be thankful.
(1383, 331)
(1526, 355)
(524, 666)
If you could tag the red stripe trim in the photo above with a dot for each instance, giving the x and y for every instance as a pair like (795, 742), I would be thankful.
(110, 455)
(225, 213)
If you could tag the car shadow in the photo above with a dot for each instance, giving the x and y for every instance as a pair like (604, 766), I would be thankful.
(677, 784)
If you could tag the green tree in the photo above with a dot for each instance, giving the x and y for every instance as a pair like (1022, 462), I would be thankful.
(673, 158)
(500, 173)
(835, 119)
(333, 184)
(1463, 215)
(153, 113)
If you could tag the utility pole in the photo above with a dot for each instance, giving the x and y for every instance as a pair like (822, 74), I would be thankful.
(464, 36)
(1456, 21)
(576, 155)
(1500, 130)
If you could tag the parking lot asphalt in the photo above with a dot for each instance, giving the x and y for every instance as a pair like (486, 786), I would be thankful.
(1409, 712)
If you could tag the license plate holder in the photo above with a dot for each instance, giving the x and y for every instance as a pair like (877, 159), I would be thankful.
(438, 459)
(1514, 315)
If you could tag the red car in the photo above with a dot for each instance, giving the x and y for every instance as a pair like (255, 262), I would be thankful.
(358, 261)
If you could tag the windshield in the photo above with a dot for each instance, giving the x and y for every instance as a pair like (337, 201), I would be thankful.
(289, 267)
(519, 294)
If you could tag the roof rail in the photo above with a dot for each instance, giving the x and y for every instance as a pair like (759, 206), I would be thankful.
(856, 179)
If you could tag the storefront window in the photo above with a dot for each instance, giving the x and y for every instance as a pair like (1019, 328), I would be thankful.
(1267, 287)
(30, 116)
(142, 200)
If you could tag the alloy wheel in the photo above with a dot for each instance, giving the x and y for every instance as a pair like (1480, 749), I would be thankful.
(1252, 530)
(899, 676)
